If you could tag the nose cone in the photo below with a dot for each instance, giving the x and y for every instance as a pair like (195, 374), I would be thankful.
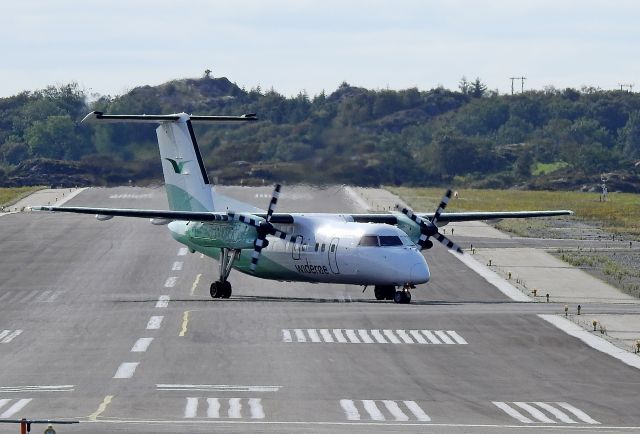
(420, 272)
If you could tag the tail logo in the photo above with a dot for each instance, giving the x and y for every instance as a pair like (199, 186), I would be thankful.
(177, 166)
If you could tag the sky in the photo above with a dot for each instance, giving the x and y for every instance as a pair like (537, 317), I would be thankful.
(110, 47)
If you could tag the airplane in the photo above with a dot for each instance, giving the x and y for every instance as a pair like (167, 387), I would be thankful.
(382, 250)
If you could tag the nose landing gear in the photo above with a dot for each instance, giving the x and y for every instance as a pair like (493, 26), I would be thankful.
(388, 292)
(222, 288)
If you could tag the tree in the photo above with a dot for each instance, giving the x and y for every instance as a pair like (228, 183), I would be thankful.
(464, 86)
(207, 73)
(630, 136)
(478, 88)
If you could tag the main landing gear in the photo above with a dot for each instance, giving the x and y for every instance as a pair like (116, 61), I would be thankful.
(388, 292)
(222, 287)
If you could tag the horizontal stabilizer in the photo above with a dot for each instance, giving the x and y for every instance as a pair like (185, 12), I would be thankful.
(154, 119)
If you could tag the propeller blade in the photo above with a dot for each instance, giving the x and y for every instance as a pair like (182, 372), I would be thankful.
(409, 213)
(249, 220)
(274, 202)
(442, 206)
(447, 242)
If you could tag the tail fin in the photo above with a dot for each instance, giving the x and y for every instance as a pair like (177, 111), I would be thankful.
(186, 180)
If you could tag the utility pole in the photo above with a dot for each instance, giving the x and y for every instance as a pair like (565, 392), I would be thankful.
(626, 85)
(522, 79)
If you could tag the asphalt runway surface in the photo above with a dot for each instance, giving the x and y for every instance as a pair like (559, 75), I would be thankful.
(110, 323)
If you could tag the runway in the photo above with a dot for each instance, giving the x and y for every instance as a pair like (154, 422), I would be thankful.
(110, 323)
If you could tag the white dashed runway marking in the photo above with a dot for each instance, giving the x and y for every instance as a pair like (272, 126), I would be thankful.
(231, 408)
(375, 336)
(163, 301)
(141, 345)
(13, 408)
(154, 322)
(126, 370)
(545, 412)
(7, 336)
(382, 410)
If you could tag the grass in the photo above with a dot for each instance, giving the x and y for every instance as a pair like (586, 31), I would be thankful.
(619, 215)
(545, 168)
(9, 196)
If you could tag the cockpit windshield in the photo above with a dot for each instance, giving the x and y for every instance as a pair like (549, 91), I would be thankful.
(390, 240)
(382, 241)
(369, 240)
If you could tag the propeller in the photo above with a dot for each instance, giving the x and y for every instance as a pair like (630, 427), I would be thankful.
(263, 227)
(428, 227)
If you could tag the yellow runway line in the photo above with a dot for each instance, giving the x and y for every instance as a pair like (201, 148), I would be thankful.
(185, 323)
(195, 284)
(101, 408)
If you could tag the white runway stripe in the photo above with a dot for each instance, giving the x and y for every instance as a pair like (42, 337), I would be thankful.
(213, 407)
(7, 336)
(535, 415)
(394, 409)
(177, 266)
(512, 412)
(23, 389)
(19, 405)
(182, 251)
(392, 338)
(351, 335)
(562, 417)
(372, 409)
(578, 413)
(431, 337)
(375, 336)
(417, 411)
(141, 345)
(255, 407)
(444, 337)
(378, 336)
(350, 409)
(403, 335)
(313, 334)
(126, 370)
(235, 408)
(170, 282)
(339, 336)
(163, 301)
(154, 322)
(417, 336)
(191, 409)
(365, 336)
(456, 337)
(326, 335)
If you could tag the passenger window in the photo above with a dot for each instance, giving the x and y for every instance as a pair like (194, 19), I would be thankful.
(390, 240)
(368, 240)
(317, 245)
(322, 248)
(333, 248)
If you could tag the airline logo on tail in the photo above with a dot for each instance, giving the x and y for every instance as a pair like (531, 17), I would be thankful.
(177, 166)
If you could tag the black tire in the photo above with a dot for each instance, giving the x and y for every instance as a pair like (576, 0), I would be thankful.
(226, 289)
(214, 290)
(398, 297)
(407, 297)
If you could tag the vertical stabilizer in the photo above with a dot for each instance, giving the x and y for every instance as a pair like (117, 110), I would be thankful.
(186, 180)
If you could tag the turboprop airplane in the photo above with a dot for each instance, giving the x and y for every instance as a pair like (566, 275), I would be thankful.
(382, 250)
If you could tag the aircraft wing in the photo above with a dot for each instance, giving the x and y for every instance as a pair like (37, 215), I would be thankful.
(448, 217)
(158, 214)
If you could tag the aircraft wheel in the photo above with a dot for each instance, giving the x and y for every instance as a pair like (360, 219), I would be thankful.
(380, 292)
(407, 297)
(226, 289)
(215, 290)
(398, 297)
